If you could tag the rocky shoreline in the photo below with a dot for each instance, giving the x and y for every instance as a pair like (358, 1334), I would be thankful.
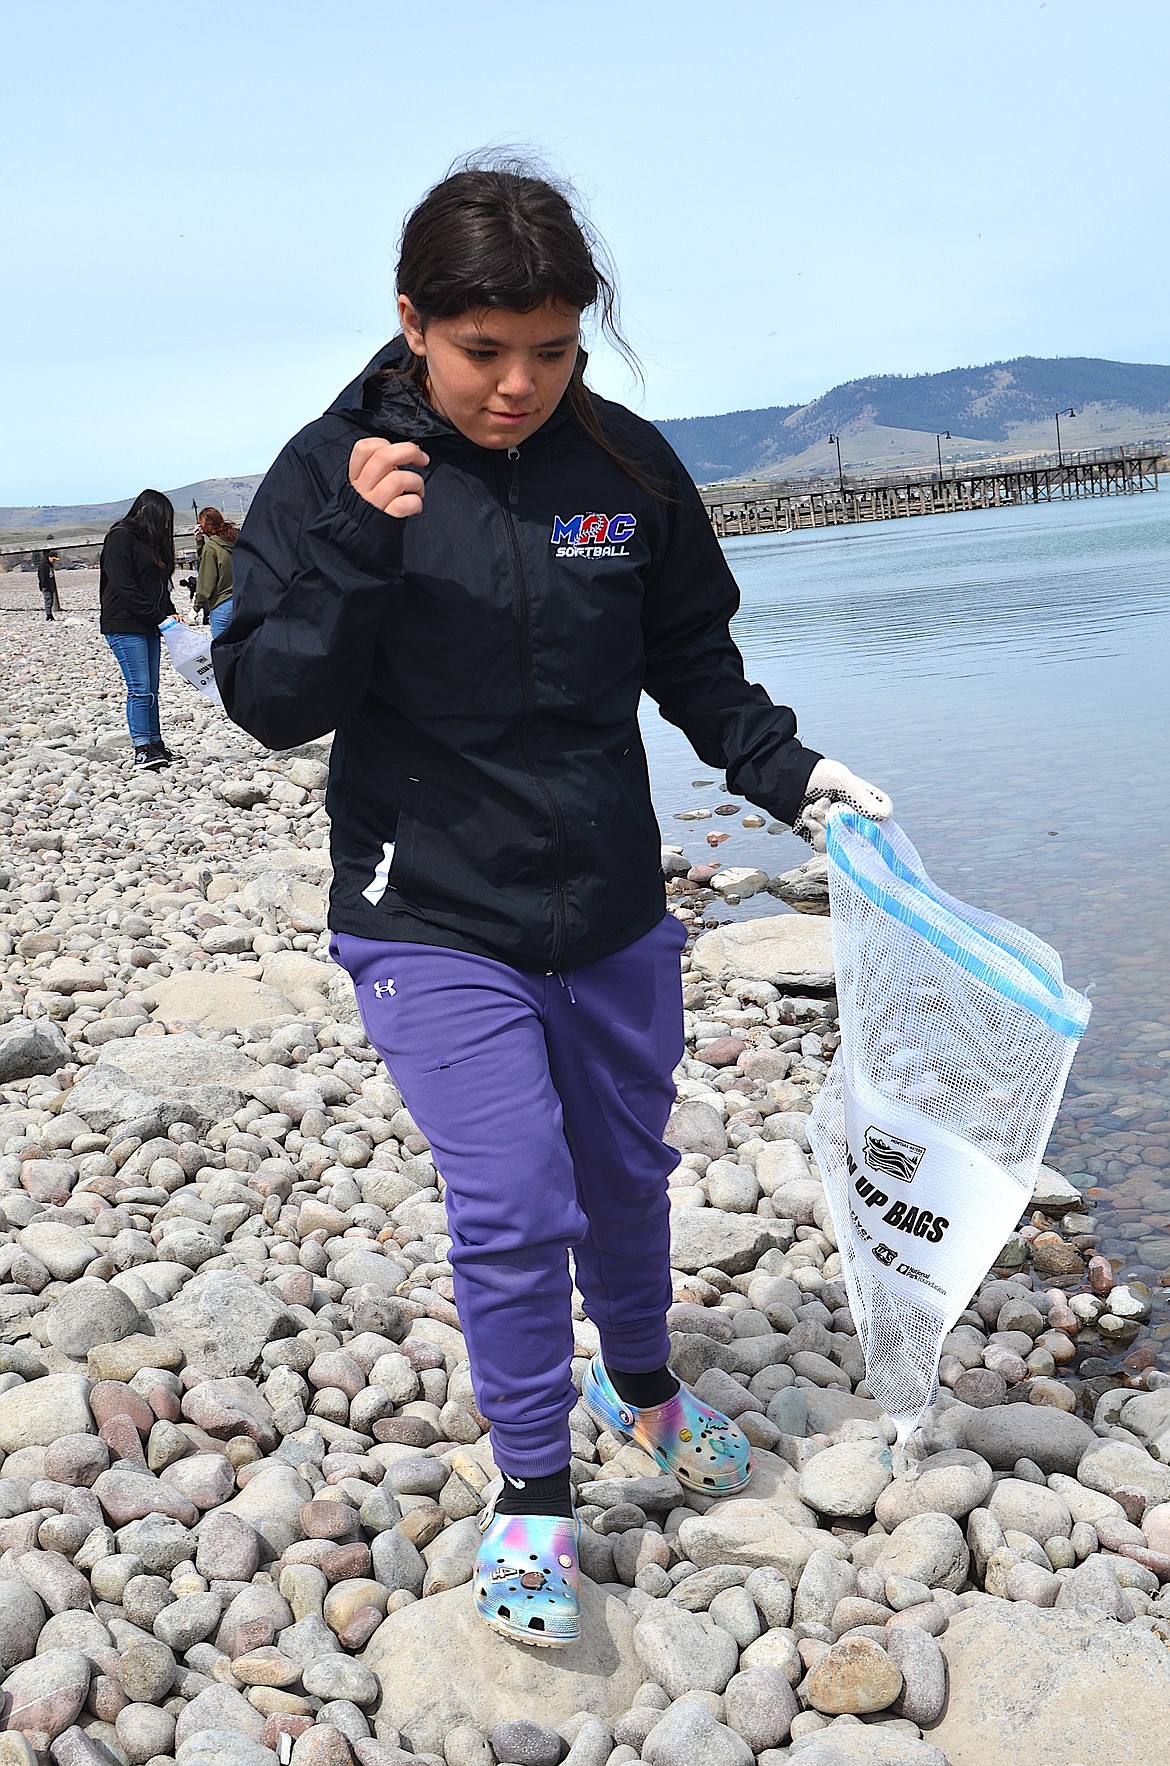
(242, 1460)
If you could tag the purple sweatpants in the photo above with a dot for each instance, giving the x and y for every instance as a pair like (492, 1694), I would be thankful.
(544, 1098)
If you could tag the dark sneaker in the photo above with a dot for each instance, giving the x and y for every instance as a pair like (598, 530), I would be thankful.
(148, 760)
(162, 753)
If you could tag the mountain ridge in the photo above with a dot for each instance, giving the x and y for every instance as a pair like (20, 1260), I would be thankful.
(884, 421)
(1006, 402)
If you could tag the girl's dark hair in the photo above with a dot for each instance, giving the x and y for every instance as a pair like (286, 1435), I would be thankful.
(151, 518)
(502, 236)
(215, 523)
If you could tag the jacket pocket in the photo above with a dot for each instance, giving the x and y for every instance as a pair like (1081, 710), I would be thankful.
(458, 857)
(392, 865)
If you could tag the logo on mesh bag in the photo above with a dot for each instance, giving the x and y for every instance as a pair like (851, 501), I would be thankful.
(884, 1254)
(891, 1155)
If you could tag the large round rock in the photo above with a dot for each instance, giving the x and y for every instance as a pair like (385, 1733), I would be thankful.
(928, 1548)
(846, 1479)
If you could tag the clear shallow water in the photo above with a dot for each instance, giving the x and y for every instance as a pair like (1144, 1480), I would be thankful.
(1005, 675)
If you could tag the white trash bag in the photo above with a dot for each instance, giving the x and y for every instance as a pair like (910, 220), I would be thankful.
(957, 1034)
(189, 648)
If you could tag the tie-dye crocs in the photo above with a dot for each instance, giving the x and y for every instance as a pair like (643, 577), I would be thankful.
(701, 1447)
(526, 1580)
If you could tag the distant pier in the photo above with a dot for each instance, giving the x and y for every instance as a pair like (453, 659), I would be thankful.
(784, 508)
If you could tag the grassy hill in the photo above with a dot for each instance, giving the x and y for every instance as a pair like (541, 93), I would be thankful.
(88, 520)
(1002, 407)
(885, 422)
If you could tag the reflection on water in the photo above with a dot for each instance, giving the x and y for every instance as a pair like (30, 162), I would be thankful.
(1006, 676)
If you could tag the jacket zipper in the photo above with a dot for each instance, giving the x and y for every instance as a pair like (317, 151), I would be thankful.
(524, 656)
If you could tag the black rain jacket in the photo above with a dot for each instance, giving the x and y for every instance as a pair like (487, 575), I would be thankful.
(482, 664)
(134, 595)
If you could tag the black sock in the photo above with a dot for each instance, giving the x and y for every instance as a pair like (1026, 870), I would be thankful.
(643, 1391)
(551, 1495)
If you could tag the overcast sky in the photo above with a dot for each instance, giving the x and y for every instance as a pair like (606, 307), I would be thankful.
(202, 199)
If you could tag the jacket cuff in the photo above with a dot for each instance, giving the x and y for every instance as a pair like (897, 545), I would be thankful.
(805, 765)
(377, 530)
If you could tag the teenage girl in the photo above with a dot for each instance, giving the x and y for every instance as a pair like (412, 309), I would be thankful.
(136, 566)
(213, 587)
(471, 568)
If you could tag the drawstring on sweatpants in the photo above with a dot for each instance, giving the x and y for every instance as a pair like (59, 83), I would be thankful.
(569, 984)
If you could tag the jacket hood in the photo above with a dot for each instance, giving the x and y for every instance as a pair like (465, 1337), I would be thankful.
(382, 391)
(384, 396)
(220, 540)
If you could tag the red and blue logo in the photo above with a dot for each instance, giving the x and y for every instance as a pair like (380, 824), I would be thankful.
(592, 536)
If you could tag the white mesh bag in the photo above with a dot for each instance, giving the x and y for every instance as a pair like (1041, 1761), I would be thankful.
(957, 1034)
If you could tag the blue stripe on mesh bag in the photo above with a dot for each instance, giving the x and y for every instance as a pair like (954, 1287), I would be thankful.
(957, 943)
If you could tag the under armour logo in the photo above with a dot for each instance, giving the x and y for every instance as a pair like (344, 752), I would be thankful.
(383, 990)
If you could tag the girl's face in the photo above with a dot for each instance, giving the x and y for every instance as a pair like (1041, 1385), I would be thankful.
(496, 375)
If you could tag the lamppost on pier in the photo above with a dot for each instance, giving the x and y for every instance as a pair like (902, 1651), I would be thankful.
(1059, 450)
(840, 469)
(938, 442)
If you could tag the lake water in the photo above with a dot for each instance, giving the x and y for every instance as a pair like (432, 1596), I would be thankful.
(1005, 675)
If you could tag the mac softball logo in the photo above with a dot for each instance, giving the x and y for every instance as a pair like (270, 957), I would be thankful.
(592, 536)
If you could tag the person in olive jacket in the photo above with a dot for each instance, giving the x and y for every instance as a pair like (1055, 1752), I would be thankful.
(213, 590)
(137, 563)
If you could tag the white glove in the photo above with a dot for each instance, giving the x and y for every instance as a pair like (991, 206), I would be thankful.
(831, 783)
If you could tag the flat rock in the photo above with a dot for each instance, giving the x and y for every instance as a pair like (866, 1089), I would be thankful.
(789, 950)
(1110, 1465)
(29, 1046)
(35, 1414)
(302, 980)
(166, 1061)
(679, 1654)
(221, 1747)
(218, 998)
(1028, 1684)
(749, 1531)
(859, 1744)
(64, 1251)
(414, 1650)
(224, 1321)
(46, 1694)
(104, 1097)
(1004, 1433)
(219, 1707)
(706, 1238)
(1053, 1193)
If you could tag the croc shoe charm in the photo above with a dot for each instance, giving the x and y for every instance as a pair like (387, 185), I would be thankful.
(526, 1580)
(701, 1447)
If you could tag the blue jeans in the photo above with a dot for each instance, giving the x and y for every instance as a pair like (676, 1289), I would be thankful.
(220, 617)
(137, 655)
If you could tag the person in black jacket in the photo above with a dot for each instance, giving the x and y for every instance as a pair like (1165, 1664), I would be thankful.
(134, 592)
(47, 583)
(471, 568)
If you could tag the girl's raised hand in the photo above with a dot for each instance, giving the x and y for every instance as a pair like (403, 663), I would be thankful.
(380, 472)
